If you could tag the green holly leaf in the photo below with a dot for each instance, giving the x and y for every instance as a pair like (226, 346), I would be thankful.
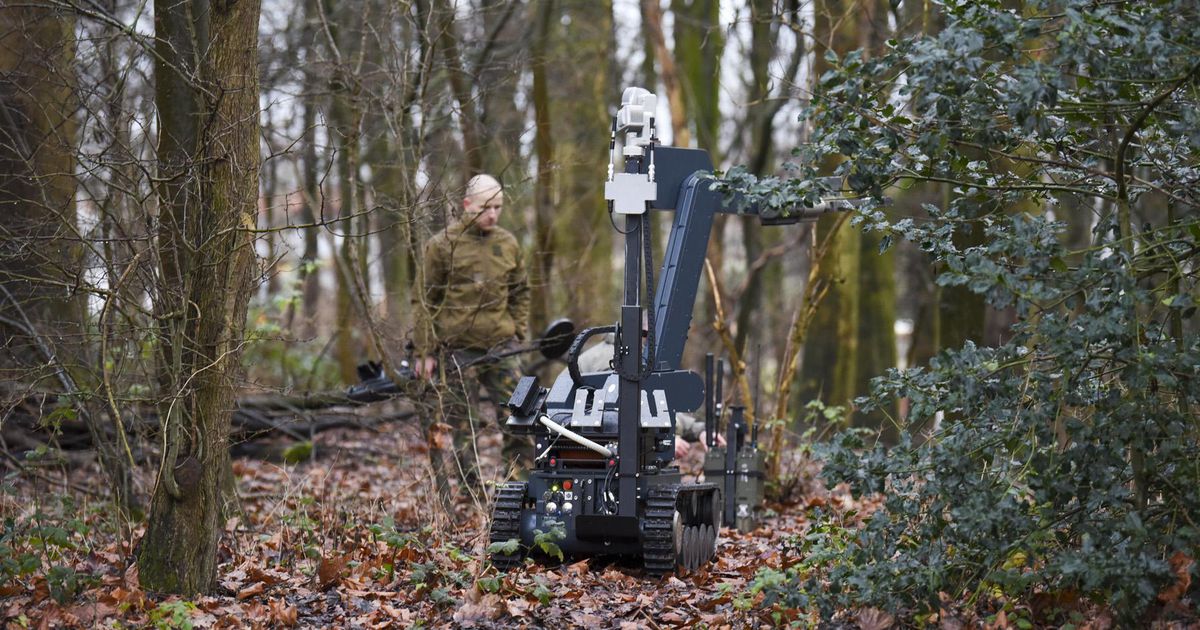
(507, 548)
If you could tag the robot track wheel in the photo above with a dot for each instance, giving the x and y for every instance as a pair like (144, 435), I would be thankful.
(680, 527)
(506, 523)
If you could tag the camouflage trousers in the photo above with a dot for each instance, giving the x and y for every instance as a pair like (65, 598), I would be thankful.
(461, 416)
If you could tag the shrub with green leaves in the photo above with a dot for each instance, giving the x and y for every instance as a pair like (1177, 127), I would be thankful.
(1067, 458)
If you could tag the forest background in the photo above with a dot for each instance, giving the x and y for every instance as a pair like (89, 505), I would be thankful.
(212, 206)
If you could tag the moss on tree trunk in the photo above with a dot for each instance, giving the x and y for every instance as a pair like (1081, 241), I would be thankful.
(208, 198)
(580, 120)
(40, 249)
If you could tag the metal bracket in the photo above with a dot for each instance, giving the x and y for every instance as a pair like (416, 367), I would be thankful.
(661, 418)
(581, 415)
(630, 192)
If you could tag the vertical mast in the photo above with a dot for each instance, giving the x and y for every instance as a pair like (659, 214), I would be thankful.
(629, 193)
(630, 359)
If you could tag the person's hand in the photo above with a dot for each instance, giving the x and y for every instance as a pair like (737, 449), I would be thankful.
(687, 446)
(425, 367)
(682, 448)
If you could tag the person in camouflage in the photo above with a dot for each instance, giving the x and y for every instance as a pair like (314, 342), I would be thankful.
(472, 302)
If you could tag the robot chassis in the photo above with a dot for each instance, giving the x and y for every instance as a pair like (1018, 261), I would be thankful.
(603, 474)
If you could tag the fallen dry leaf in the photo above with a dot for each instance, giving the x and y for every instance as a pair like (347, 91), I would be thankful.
(134, 599)
(257, 613)
(270, 578)
(283, 614)
(673, 617)
(201, 619)
(1181, 566)
(91, 613)
(330, 571)
(442, 435)
(873, 619)
(488, 608)
(388, 564)
(517, 607)
(250, 591)
(587, 620)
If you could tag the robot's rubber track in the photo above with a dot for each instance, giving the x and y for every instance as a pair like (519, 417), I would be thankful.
(506, 523)
(696, 542)
(658, 551)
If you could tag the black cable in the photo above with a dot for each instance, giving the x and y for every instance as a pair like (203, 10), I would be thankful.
(608, 508)
(613, 222)
(648, 252)
(577, 347)
(648, 241)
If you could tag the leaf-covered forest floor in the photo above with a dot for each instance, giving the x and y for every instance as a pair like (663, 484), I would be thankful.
(350, 538)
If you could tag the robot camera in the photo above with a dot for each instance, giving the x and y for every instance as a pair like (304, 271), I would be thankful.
(637, 108)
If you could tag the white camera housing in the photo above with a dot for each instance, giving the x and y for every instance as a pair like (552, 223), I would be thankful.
(633, 119)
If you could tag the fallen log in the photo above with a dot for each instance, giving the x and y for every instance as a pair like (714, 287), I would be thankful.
(32, 418)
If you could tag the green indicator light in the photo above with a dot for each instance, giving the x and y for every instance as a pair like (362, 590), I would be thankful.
(554, 488)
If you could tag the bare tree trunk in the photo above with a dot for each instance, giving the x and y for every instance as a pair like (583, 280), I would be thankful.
(916, 290)
(543, 220)
(446, 36)
(761, 306)
(699, 42)
(206, 75)
(853, 337)
(40, 247)
(961, 313)
(582, 119)
(346, 121)
(496, 64)
(391, 186)
(652, 26)
(308, 275)
(43, 316)
(268, 198)
(759, 118)
(400, 194)
(815, 290)
(346, 118)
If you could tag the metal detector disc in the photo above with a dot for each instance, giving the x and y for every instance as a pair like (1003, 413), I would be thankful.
(557, 339)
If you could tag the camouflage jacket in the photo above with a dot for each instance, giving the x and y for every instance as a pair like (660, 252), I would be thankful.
(472, 292)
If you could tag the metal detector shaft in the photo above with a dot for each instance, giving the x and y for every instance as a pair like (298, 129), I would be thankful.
(538, 345)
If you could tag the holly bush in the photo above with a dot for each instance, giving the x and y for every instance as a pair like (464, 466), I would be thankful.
(1066, 459)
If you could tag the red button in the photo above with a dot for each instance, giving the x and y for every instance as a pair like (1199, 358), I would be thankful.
(567, 484)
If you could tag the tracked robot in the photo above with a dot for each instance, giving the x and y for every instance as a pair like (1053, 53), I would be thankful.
(603, 478)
